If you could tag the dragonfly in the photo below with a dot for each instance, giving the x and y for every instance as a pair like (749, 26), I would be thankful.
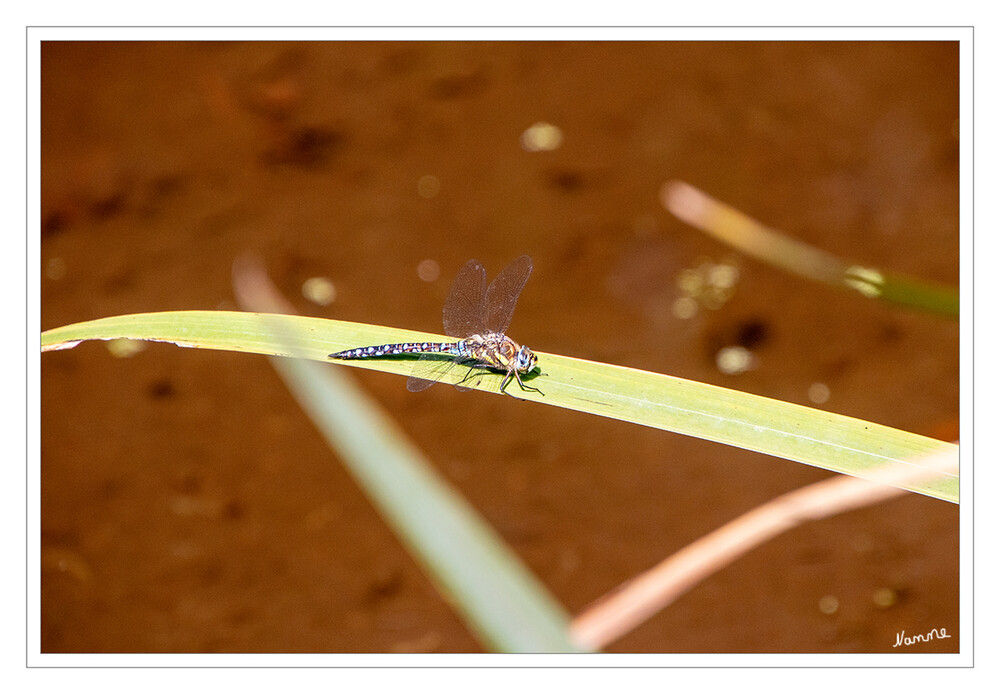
(478, 317)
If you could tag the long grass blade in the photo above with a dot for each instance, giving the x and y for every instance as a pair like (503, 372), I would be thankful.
(497, 596)
(823, 439)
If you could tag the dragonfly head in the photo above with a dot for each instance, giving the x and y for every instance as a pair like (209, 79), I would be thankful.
(525, 360)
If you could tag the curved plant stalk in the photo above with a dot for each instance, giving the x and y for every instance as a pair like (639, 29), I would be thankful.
(736, 229)
(646, 594)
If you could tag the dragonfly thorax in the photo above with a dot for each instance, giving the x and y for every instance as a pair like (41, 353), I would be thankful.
(499, 351)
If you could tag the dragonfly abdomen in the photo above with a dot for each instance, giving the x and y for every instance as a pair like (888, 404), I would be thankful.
(397, 348)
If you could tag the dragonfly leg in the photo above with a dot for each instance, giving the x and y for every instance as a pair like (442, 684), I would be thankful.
(471, 371)
(511, 375)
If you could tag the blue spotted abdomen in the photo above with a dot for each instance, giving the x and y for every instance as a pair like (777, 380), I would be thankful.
(400, 348)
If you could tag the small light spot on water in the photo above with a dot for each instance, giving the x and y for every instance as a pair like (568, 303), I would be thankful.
(723, 275)
(428, 270)
(819, 393)
(709, 283)
(690, 281)
(428, 186)
(734, 360)
(55, 269)
(124, 348)
(884, 597)
(685, 307)
(319, 290)
(828, 604)
(541, 137)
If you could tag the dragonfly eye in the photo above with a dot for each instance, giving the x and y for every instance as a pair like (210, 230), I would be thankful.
(526, 359)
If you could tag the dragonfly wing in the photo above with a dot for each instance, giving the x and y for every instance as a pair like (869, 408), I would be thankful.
(428, 370)
(501, 297)
(474, 376)
(463, 310)
(431, 368)
(415, 385)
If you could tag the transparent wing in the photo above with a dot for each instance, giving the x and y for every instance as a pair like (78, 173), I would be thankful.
(431, 368)
(464, 307)
(428, 370)
(472, 308)
(501, 297)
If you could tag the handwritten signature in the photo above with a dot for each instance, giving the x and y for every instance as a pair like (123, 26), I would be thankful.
(903, 640)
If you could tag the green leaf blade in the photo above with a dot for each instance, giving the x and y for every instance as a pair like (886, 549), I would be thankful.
(794, 432)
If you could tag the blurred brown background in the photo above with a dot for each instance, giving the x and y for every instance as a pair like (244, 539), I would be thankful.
(187, 503)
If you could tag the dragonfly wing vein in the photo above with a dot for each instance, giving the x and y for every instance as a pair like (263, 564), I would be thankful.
(429, 369)
(464, 307)
(501, 297)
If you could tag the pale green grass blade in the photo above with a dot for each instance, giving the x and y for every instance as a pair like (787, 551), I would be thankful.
(804, 434)
(749, 236)
(498, 597)
(831, 441)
